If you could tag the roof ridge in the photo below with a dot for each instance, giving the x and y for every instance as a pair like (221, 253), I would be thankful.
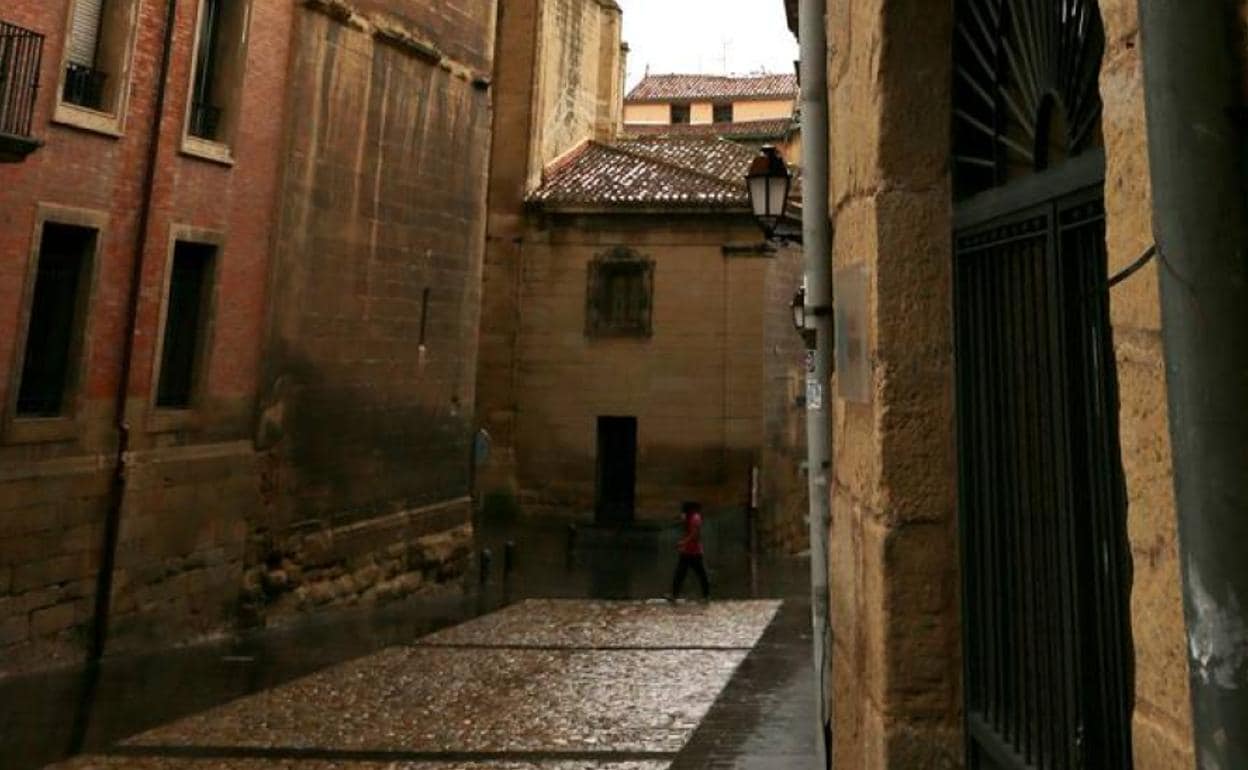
(678, 166)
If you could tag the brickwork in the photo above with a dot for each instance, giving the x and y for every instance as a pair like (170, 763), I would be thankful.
(367, 417)
(180, 550)
(363, 431)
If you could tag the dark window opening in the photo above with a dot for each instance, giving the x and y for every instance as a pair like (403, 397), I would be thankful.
(621, 288)
(680, 114)
(85, 75)
(205, 110)
(186, 315)
(57, 313)
(722, 113)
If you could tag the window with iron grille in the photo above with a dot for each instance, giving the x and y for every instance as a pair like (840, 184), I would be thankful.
(680, 114)
(57, 316)
(722, 113)
(620, 295)
(97, 46)
(217, 74)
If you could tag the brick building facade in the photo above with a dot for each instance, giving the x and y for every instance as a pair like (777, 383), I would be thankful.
(244, 475)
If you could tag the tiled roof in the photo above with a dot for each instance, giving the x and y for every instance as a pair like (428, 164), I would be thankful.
(667, 88)
(746, 129)
(647, 173)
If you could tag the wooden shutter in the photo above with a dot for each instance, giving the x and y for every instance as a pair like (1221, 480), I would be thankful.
(84, 32)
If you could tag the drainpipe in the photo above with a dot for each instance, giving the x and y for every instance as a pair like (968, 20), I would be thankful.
(1196, 149)
(117, 491)
(816, 241)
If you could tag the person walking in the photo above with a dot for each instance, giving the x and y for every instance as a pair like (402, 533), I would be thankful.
(689, 549)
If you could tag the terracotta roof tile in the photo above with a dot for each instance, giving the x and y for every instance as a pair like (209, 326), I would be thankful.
(746, 129)
(666, 88)
(643, 173)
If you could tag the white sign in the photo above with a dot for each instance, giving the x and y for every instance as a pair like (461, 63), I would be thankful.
(814, 394)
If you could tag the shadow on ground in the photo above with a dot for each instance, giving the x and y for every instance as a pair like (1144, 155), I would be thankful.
(53, 715)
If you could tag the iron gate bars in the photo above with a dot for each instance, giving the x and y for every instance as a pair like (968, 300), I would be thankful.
(21, 52)
(1025, 92)
(1042, 508)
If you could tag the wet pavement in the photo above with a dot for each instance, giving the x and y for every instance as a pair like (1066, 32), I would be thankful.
(545, 683)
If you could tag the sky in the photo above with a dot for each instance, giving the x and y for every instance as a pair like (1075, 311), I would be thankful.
(707, 36)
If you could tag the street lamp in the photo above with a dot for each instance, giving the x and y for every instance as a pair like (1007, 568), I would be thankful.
(769, 182)
(799, 309)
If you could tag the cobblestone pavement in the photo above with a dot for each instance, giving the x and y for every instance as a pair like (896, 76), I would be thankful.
(541, 685)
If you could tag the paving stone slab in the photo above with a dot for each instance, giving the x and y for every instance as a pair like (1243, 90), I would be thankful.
(425, 699)
(178, 763)
(596, 624)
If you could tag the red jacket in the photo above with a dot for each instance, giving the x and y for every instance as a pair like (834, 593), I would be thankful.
(691, 543)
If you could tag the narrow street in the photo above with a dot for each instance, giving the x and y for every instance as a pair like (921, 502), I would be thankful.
(602, 675)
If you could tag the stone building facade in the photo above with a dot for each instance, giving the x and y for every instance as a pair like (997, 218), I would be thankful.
(167, 251)
(908, 667)
(628, 356)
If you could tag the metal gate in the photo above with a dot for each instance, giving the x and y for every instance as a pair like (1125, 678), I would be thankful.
(1042, 514)
(1045, 562)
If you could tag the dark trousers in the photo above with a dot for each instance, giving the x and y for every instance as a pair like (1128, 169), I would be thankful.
(685, 564)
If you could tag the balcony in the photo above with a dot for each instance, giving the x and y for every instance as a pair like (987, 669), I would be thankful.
(21, 53)
(84, 86)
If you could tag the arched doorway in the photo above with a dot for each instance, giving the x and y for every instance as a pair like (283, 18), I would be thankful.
(1042, 512)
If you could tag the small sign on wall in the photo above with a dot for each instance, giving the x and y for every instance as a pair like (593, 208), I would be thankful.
(853, 367)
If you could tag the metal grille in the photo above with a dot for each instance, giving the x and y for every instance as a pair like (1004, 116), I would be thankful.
(1042, 510)
(1025, 92)
(619, 295)
(21, 52)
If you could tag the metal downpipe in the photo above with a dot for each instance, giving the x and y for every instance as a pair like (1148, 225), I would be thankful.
(816, 240)
(1192, 79)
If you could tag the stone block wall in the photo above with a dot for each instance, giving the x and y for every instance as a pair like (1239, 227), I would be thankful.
(367, 418)
(896, 671)
(783, 494)
(1162, 720)
(695, 386)
(896, 689)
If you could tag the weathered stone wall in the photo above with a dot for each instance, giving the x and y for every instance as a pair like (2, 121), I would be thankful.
(558, 83)
(783, 503)
(695, 386)
(896, 691)
(1162, 719)
(576, 80)
(367, 420)
(896, 670)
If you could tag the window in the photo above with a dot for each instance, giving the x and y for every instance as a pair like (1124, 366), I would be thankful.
(723, 113)
(186, 316)
(620, 295)
(57, 315)
(97, 50)
(680, 114)
(217, 75)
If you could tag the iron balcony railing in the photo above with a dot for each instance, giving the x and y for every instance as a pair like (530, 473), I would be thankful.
(84, 86)
(21, 52)
(205, 120)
